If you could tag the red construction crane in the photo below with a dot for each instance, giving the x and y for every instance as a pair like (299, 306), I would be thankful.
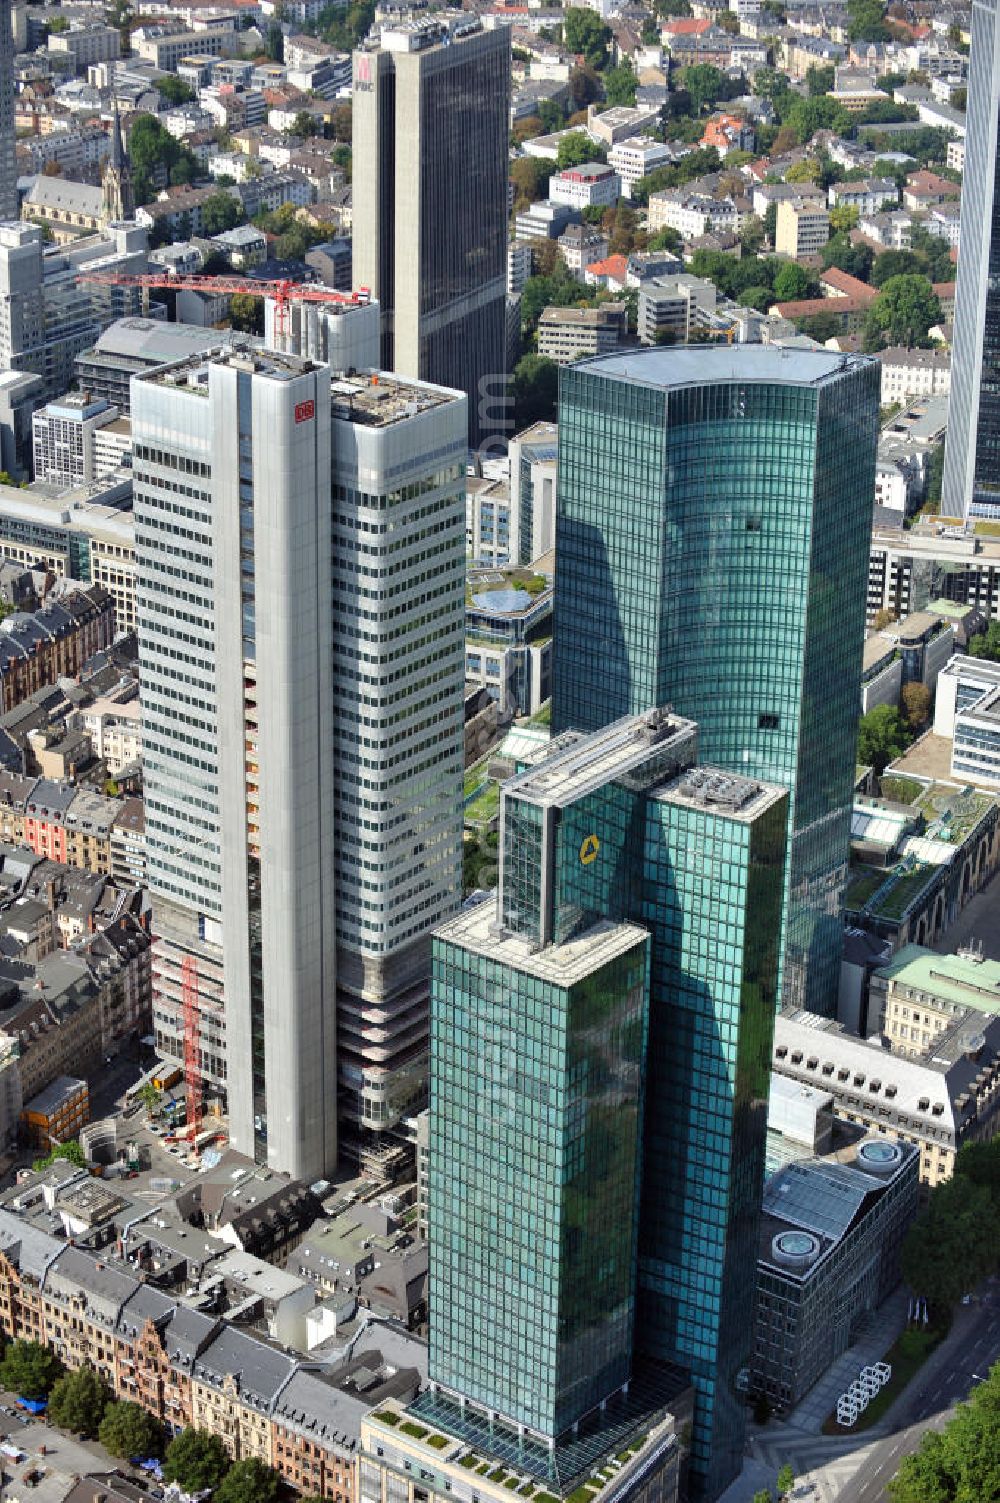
(283, 292)
(192, 1062)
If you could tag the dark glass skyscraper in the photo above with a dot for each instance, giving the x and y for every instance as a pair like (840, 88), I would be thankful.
(619, 996)
(431, 121)
(971, 485)
(713, 527)
(8, 162)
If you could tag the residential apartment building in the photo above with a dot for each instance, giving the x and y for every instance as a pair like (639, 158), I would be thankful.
(53, 642)
(972, 464)
(669, 307)
(803, 228)
(568, 334)
(311, 1019)
(153, 1347)
(634, 158)
(913, 373)
(946, 1096)
(869, 196)
(427, 85)
(592, 185)
(582, 244)
(693, 626)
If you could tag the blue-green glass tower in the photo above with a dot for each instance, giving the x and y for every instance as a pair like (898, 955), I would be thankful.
(713, 528)
(598, 1097)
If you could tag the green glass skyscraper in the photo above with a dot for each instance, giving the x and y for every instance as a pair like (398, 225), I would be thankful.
(713, 528)
(600, 1046)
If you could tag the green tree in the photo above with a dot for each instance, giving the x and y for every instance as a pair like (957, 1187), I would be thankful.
(552, 115)
(882, 737)
(986, 644)
(306, 124)
(866, 21)
(275, 43)
(78, 1401)
(951, 1245)
(195, 1460)
(577, 148)
(584, 86)
(530, 176)
(620, 84)
(704, 83)
(154, 154)
(150, 1097)
(806, 116)
(902, 313)
(819, 79)
(535, 388)
(894, 263)
(856, 260)
(220, 212)
(29, 1369)
(173, 90)
(785, 1480)
(666, 240)
(585, 34)
(926, 1476)
(792, 283)
(71, 1152)
(819, 326)
(248, 1481)
(916, 705)
(763, 1495)
(768, 83)
(127, 1430)
(246, 313)
(935, 476)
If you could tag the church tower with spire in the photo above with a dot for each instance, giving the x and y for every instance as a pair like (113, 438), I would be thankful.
(119, 199)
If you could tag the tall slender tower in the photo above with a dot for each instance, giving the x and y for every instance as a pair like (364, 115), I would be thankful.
(971, 484)
(431, 123)
(8, 159)
(600, 1053)
(713, 529)
(299, 552)
(119, 198)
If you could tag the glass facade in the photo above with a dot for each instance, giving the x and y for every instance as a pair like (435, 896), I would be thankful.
(713, 538)
(534, 1164)
(971, 484)
(608, 828)
(712, 900)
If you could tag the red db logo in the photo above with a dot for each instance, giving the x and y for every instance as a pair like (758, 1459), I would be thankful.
(304, 411)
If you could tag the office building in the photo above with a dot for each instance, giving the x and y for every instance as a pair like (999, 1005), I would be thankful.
(47, 315)
(971, 485)
(541, 1312)
(292, 906)
(568, 334)
(921, 994)
(8, 160)
(803, 228)
(830, 1240)
(77, 440)
(947, 1095)
(533, 456)
(713, 523)
(431, 121)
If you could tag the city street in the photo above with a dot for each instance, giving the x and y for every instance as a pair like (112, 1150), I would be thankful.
(856, 1469)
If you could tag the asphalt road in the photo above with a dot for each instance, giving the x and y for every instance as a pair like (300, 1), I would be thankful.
(965, 1357)
(978, 921)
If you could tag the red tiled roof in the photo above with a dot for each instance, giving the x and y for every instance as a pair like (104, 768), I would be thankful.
(848, 286)
(613, 266)
(685, 26)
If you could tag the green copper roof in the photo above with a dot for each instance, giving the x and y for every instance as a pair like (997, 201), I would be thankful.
(954, 978)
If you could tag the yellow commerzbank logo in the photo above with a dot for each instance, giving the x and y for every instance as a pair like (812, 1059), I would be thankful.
(589, 850)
